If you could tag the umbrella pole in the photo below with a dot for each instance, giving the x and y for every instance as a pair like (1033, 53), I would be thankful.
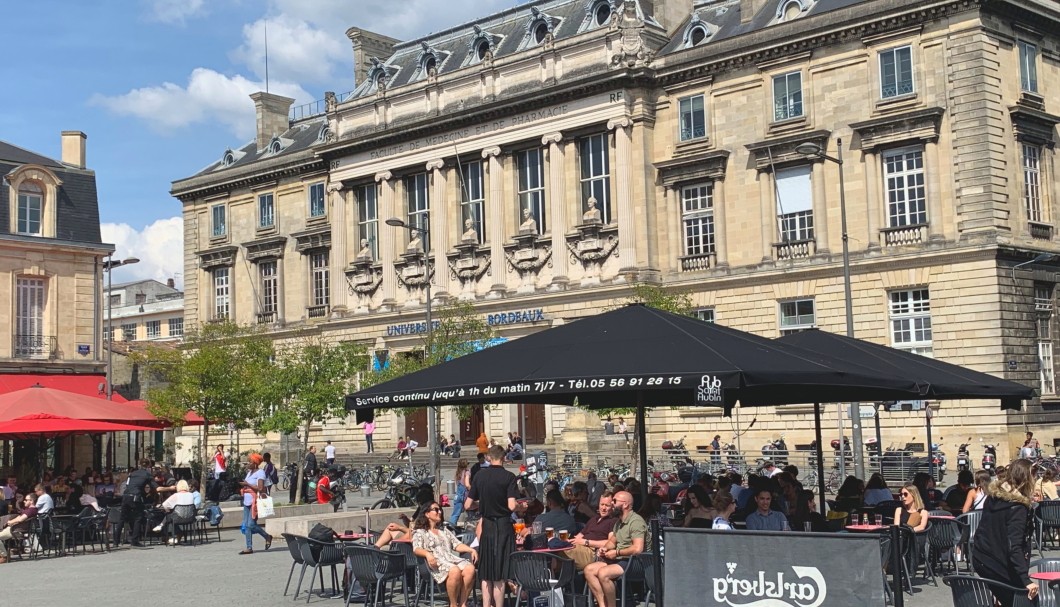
(643, 440)
(820, 456)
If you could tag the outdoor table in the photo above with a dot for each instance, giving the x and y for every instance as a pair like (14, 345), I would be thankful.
(946, 517)
(865, 528)
(1046, 576)
(63, 524)
(350, 537)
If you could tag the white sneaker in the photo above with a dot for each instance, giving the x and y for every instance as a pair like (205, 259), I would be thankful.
(172, 541)
(157, 529)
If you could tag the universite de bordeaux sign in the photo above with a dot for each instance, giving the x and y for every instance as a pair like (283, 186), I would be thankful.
(493, 320)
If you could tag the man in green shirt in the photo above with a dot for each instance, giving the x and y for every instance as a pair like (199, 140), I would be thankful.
(628, 538)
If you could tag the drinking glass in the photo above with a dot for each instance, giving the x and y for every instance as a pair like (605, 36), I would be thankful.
(538, 528)
(550, 532)
(807, 526)
(564, 534)
(864, 519)
(520, 525)
(879, 520)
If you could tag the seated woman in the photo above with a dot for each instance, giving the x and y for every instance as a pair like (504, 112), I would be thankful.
(851, 495)
(441, 549)
(911, 512)
(876, 490)
(182, 497)
(804, 511)
(699, 513)
(725, 506)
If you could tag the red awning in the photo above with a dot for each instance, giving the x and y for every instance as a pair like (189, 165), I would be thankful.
(45, 425)
(38, 399)
(85, 385)
(190, 419)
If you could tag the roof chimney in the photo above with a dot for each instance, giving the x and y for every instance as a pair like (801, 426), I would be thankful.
(74, 148)
(170, 283)
(368, 44)
(272, 113)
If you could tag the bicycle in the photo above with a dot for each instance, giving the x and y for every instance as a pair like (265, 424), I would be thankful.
(287, 476)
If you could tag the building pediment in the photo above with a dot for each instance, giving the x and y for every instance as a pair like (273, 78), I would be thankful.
(218, 257)
(1034, 126)
(781, 150)
(266, 248)
(312, 239)
(709, 166)
(920, 126)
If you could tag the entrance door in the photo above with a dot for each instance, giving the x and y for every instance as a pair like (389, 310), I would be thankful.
(416, 426)
(471, 427)
(533, 424)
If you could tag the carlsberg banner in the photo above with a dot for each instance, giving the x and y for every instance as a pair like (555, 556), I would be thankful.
(772, 569)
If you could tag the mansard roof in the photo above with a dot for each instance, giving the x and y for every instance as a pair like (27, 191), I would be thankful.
(299, 137)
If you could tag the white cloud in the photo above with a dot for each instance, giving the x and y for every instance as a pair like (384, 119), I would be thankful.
(297, 50)
(404, 20)
(209, 97)
(174, 11)
(159, 247)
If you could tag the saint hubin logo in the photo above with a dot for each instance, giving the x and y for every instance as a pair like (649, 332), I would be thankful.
(771, 590)
(709, 391)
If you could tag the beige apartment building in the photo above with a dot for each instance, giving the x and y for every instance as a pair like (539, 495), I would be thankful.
(560, 151)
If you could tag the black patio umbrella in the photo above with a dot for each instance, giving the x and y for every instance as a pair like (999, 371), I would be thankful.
(939, 380)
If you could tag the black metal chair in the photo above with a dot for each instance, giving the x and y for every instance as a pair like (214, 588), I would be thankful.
(1047, 516)
(319, 555)
(296, 559)
(970, 520)
(907, 550)
(885, 560)
(971, 591)
(943, 537)
(411, 560)
(1047, 594)
(373, 569)
(425, 582)
(648, 562)
(182, 523)
(535, 572)
(634, 575)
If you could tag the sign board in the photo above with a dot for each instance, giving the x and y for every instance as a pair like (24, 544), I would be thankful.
(1013, 365)
(864, 411)
(84, 349)
(774, 569)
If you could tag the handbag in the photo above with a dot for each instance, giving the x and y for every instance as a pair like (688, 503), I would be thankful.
(266, 507)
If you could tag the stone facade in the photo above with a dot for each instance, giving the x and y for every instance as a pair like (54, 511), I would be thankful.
(685, 133)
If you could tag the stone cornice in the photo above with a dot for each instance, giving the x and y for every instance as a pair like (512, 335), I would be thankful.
(781, 150)
(202, 186)
(1034, 126)
(312, 239)
(266, 248)
(218, 257)
(918, 125)
(697, 167)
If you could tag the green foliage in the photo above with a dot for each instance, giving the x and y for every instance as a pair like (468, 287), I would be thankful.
(662, 299)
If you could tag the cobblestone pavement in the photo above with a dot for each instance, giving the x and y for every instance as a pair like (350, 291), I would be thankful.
(137, 576)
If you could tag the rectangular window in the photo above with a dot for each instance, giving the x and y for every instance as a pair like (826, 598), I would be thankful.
(473, 198)
(115, 300)
(176, 327)
(903, 174)
(704, 314)
(797, 315)
(218, 224)
(693, 117)
(319, 279)
(29, 214)
(532, 187)
(266, 211)
(108, 333)
(787, 96)
(1043, 306)
(316, 199)
(29, 317)
(154, 329)
(697, 217)
(896, 72)
(795, 204)
(419, 206)
(222, 295)
(270, 286)
(1028, 67)
(1032, 183)
(596, 173)
(910, 316)
(368, 217)
(128, 332)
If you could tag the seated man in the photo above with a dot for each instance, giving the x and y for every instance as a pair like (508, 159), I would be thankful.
(556, 516)
(628, 538)
(764, 519)
(593, 535)
(17, 526)
(410, 448)
(954, 497)
(44, 502)
(400, 450)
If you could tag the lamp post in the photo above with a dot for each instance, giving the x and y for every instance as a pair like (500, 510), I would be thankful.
(108, 267)
(816, 151)
(433, 412)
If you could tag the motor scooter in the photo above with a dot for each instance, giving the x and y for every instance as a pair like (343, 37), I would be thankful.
(963, 460)
(990, 459)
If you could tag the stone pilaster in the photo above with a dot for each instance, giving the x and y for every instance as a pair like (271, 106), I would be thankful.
(439, 226)
(934, 194)
(820, 207)
(872, 199)
(387, 252)
(623, 172)
(338, 255)
(495, 219)
(557, 204)
(769, 214)
(721, 246)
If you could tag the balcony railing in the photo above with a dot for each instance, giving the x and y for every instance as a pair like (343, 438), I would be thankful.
(903, 235)
(266, 318)
(795, 249)
(1040, 231)
(692, 263)
(35, 346)
(317, 311)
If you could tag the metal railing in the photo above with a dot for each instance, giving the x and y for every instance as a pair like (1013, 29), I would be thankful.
(315, 108)
(35, 346)
(266, 318)
(317, 311)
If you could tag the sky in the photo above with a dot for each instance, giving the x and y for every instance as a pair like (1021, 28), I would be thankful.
(161, 88)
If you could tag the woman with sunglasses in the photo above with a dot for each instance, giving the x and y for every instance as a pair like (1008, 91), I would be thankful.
(441, 549)
(911, 513)
(1002, 540)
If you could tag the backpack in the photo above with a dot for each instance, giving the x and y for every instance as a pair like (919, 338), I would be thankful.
(323, 534)
(271, 475)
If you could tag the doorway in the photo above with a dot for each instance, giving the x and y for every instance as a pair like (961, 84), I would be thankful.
(534, 430)
(471, 427)
(416, 426)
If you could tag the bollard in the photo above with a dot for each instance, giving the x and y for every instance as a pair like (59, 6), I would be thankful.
(366, 491)
(450, 488)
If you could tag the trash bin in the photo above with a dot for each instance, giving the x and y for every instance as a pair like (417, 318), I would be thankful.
(450, 487)
(366, 491)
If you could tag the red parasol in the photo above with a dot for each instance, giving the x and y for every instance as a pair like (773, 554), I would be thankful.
(38, 399)
(46, 425)
(190, 419)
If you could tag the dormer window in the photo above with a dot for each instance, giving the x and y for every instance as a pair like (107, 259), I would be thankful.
(430, 66)
(30, 208)
(229, 159)
(275, 146)
(791, 10)
(540, 33)
(481, 45)
(602, 13)
(699, 34)
(325, 134)
(482, 50)
(539, 28)
(696, 33)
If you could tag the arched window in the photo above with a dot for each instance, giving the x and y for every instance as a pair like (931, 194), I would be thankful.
(325, 134)
(482, 49)
(275, 146)
(791, 10)
(228, 159)
(602, 13)
(30, 208)
(540, 33)
(698, 34)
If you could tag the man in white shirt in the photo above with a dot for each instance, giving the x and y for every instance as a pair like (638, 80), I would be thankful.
(411, 447)
(10, 489)
(45, 503)
(329, 454)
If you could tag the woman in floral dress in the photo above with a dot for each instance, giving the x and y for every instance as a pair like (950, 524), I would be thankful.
(442, 550)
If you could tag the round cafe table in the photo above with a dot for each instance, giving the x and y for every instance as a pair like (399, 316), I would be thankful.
(865, 528)
(1046, 576)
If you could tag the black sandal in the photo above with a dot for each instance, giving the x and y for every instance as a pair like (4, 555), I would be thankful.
(268, 543)
(247, 552)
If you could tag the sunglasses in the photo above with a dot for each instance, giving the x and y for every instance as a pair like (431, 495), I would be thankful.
(904, 494)
(435, 509)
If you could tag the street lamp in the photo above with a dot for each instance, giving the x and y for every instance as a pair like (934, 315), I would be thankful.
(814, 150)
(434, 412)
(108, 267)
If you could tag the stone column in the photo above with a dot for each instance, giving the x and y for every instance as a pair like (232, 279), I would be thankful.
(439, 227)
(769, 215)
(721, 250)
(338, 254)
(820, 207)
(281, 284)
(672, 203)
(557, 208)
(495, 219)
(623, 170)
(872, 204)
(934, 195)
(387, 254)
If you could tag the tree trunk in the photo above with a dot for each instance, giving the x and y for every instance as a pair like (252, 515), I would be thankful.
(204, 448)
(301, 463)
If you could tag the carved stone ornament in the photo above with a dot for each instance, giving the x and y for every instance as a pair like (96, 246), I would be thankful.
(591, 248)
(527, 257)
(411, 272)
(364, 277)
(468, 265)
(632, 52)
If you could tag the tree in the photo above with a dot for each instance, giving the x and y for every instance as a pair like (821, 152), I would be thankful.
(218, 375)
(662, 299)
(308, 386)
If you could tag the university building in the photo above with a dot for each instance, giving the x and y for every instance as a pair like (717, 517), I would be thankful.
(560, 151)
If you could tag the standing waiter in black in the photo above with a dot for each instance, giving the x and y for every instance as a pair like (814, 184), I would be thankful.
(132, 502)
(494, 488)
